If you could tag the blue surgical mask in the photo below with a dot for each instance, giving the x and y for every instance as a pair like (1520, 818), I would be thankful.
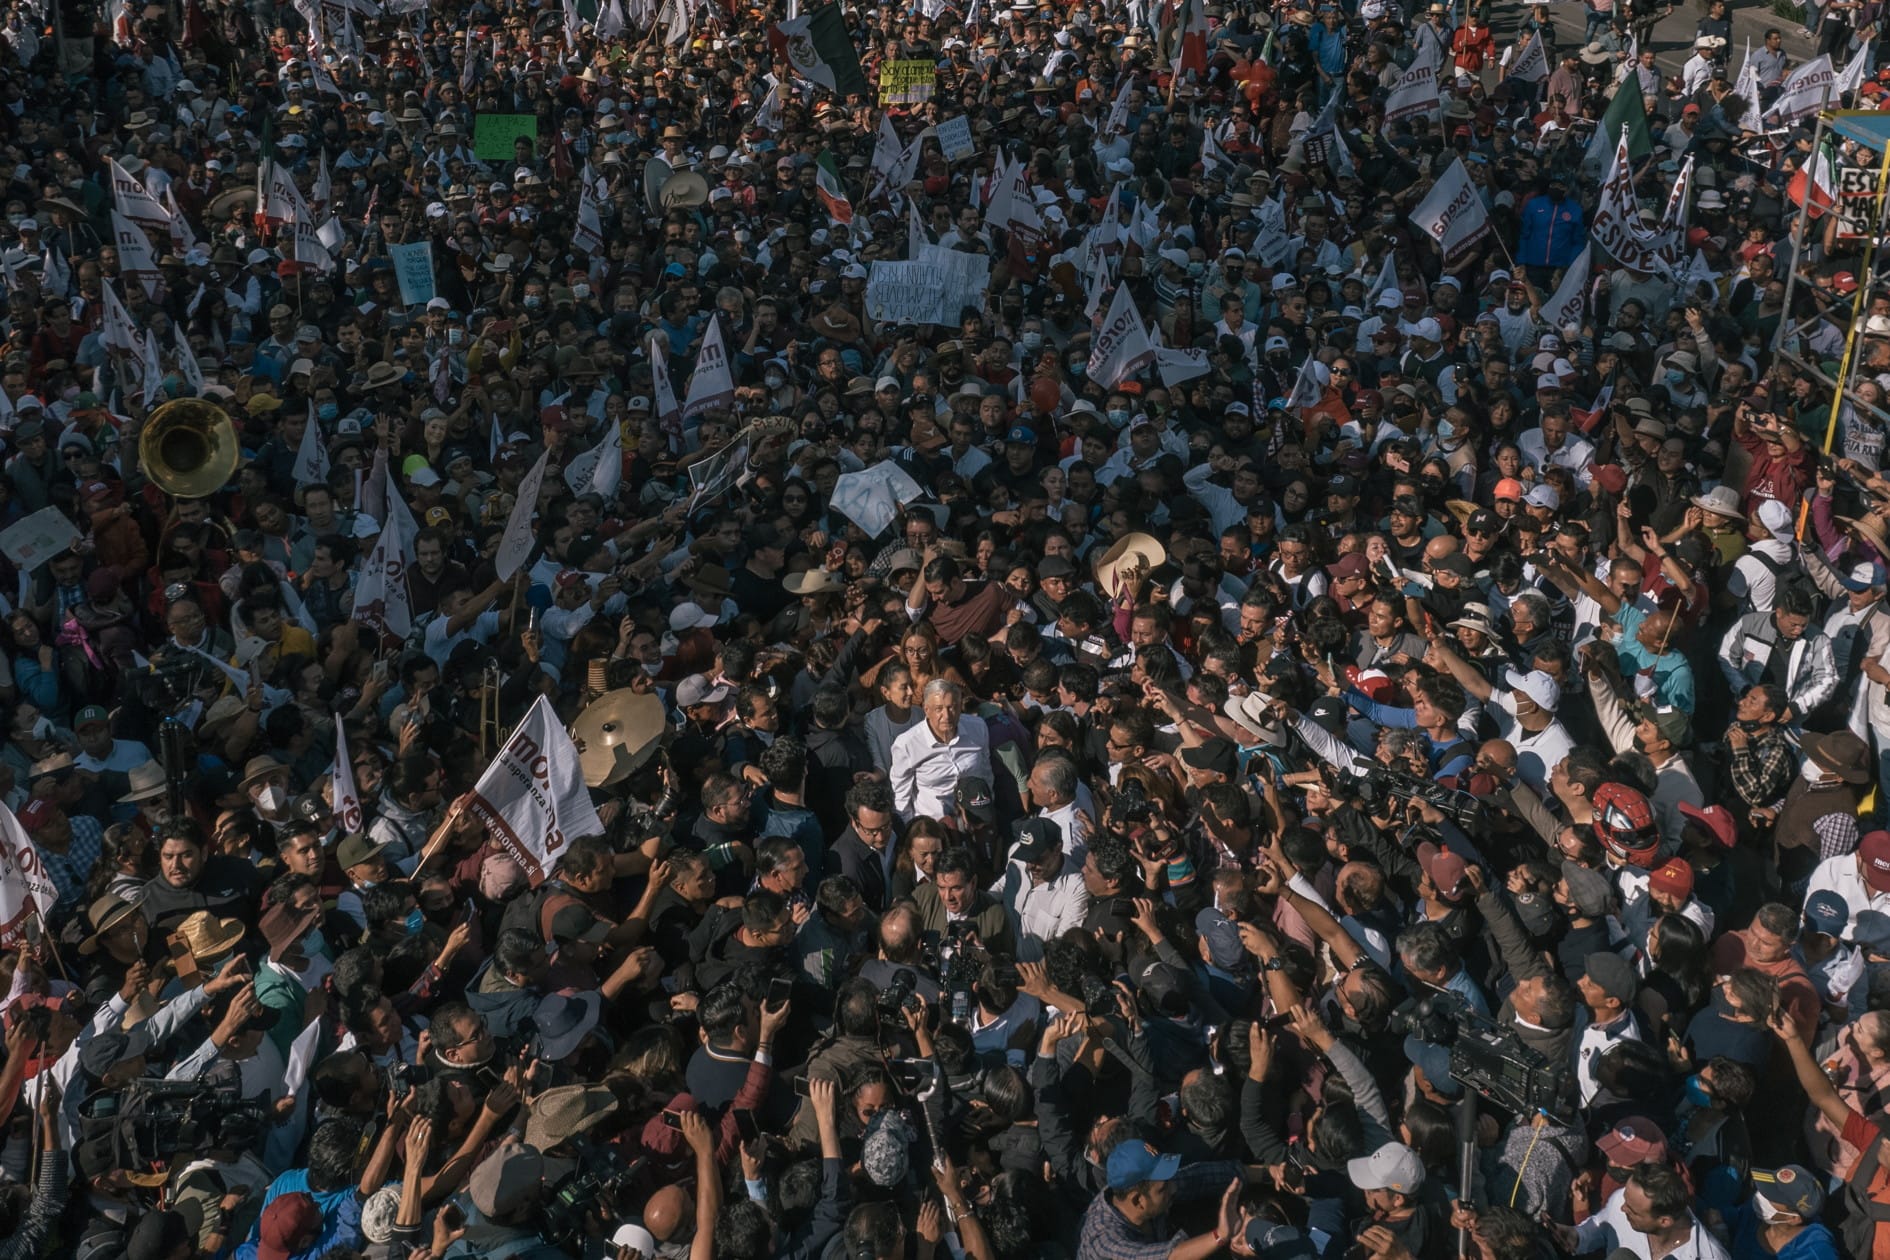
(1118, 418)
(327, 411)
(1446, 430)
(1696, 1092)
(415, 921)
(1676, 379)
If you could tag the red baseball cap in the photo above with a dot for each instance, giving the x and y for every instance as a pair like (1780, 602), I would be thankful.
(1717, 820)
(39, 812)
(1873, 851)
(289, 1224)
(1674, 880)
(1635, 1140)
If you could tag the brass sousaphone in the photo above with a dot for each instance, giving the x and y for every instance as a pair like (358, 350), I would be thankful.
(189, 448)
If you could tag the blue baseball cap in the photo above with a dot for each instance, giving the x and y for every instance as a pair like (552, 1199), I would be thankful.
(1826, 913)
(1022, 436)
(1132, 1163)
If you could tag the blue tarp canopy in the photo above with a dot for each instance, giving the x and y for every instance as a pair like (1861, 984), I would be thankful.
(1867, 127)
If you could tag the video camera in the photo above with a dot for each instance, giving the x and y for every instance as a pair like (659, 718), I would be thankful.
(1485, 1056)
(593, 1188)
(150, 1121)
(1376, 785)
(898, 995)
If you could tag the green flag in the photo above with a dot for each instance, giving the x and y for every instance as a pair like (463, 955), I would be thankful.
(1625, 109)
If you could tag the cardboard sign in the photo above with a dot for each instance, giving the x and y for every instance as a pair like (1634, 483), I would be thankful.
(954, 138)
(413, 268)
(493, 135)
(906, 82)
(33, 541)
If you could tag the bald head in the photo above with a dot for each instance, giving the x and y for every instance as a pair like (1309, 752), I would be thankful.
(1439, 547)
(899, 934)
(666, 1211)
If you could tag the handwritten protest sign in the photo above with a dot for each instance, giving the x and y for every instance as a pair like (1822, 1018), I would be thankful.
(493, 135)
(906, 82)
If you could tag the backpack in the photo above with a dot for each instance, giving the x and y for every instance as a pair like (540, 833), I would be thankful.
(1785, 579)
(1866, 1201)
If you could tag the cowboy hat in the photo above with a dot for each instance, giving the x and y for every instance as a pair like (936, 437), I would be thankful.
(1871, 530)
(710, 579)
(105, 914)
(1843, 754)
(147, 784)
(812, 582)
(59, 205)
(231, 204)
(560, 1114)
(259, 767)
(683, 190)
(381, 375)
(1721, 501)
(1251, 712)
(1114, 565)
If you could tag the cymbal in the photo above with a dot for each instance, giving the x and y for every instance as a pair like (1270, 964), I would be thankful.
(616, 733)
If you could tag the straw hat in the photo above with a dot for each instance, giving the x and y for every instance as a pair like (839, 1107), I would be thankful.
(1114, 566)
(812, 582)
(207, 938)
(105, 914)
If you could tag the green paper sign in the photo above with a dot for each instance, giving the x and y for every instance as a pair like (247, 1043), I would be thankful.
(493, 135)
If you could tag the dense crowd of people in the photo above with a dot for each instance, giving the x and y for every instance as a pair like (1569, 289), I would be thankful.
(1209, 701)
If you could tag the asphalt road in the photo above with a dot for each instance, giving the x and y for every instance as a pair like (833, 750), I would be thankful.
(1673, 35)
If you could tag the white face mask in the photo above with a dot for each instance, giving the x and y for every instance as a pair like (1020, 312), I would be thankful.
(1814, 773)
(271, 799)
(1768, 1211)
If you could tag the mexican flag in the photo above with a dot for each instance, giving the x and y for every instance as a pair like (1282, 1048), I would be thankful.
(1194, 32)
(820, 48)
(833, 193)
(1816, 177)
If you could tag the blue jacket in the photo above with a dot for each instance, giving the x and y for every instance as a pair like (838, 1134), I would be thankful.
(1553, 233)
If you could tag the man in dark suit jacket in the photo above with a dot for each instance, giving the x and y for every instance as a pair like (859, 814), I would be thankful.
(860, 852)
(953, 894)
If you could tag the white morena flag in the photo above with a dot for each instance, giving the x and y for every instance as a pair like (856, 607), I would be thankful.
(887, 148)
(26, 890)
(1532, 64)
(1414, 94)
(134, 253)
(611, 21)
(55, 274)
(181, 236)
(1387, 279)
(1851, 77)
(1570, 301)
(532, 798)
(311, 457)
(587, 237)
(1121, 347)
(119, 333)
(1617, 222)
(187, 361)
(1307, 391)
(916, 238)
(1669, 237)
(282, 200)
(1119, 111)
(322, 191)
(599, 469)
(908, 163)
(711, 385)
(1805, 92)
(516, 546)
(151, 367)
(398, 519)
(1748, 90)
(380, 596)
(663, 402)
(348, 810)
(1452, 214)
(130, 198)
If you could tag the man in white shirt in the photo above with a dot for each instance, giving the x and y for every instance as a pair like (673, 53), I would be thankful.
(1862, 878)
(930, 759)
(462, 616)
(1648, 1216)
(1552, 445)
(1042, 888)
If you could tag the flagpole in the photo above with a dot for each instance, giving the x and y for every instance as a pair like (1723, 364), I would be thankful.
(1848, 364)
(45, 935)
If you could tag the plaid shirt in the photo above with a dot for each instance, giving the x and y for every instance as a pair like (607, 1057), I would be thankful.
(1837, 835)
(1108, 1235)
(70, 870)
(1763, 769)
